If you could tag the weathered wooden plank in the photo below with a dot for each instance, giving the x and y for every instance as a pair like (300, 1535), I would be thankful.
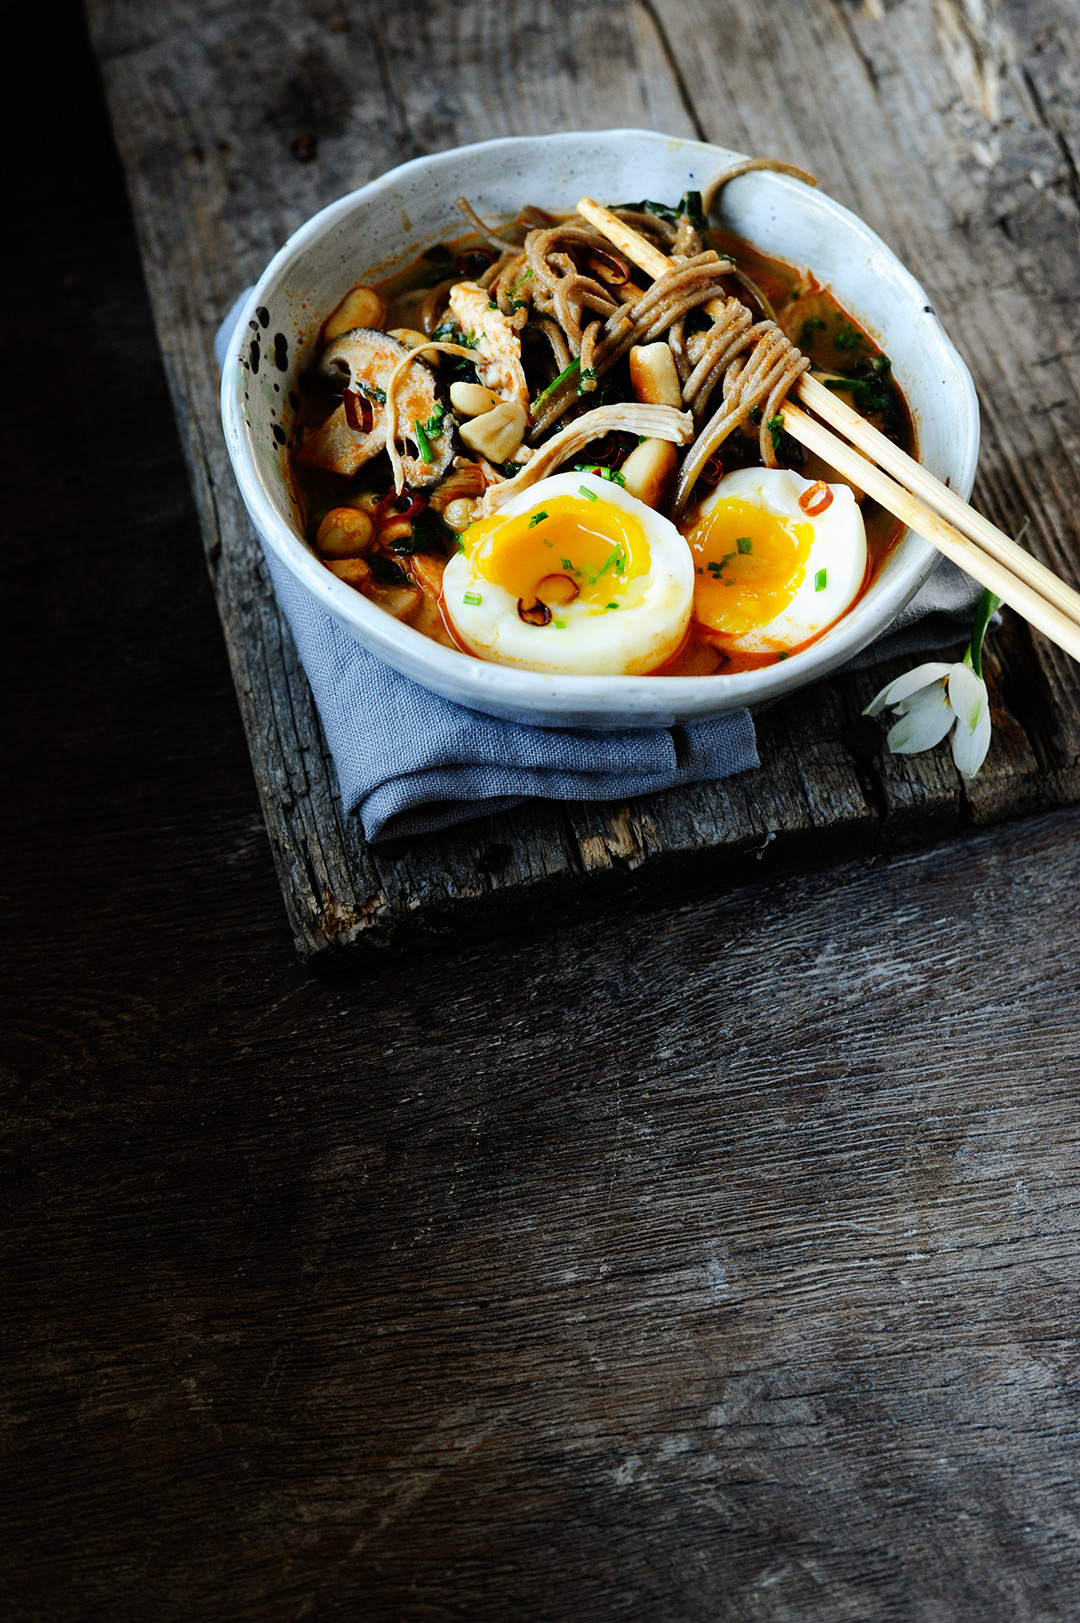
(213, 104)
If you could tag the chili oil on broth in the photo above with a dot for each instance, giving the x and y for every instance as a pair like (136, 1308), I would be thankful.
(842, 353)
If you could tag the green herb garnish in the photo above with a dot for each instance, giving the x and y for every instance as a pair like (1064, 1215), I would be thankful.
(422, 441)
(588, 376)
(775, 425)
(617, 559)
(821, 580)
(537, 518)
(545, 394)
(435, 421)
(590, 495)
(384, 570)
(473, 597)
(429, 534)
(745, 543)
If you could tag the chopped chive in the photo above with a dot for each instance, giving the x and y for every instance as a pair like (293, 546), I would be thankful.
(601, 473)
(422, 441)
(588, 376)
(537, 518)
(821, 580)
(590, 495)
(745, 543)
(545, 394)
(473, 597)
(611, 606)
(781, 656)
(546, 542)
(492, 305)
(560, 625)
(775, 425)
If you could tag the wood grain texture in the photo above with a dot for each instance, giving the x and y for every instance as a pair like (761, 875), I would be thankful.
(965, 162)
(696, 1262)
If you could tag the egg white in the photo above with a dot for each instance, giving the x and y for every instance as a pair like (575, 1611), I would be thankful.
(838, 547)
(630, 640)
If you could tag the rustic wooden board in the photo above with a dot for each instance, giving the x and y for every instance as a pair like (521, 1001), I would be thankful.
(952, 129)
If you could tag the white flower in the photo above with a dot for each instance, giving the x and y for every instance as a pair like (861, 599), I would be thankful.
(929, 701)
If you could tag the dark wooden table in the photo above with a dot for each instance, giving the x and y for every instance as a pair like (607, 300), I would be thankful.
(715, 1260)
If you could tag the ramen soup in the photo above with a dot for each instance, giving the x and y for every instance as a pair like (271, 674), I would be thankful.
(529, 449)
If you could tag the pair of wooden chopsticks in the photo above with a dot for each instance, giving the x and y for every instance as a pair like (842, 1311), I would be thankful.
(983, 551)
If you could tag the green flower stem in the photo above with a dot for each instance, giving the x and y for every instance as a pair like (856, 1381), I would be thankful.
(985, 609)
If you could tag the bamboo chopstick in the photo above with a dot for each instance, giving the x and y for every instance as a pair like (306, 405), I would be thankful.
(1028, 600)
(922, 483)
(977, 546)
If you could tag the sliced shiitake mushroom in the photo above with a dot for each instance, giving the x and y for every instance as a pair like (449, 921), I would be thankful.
(533, 612)
(363, 361)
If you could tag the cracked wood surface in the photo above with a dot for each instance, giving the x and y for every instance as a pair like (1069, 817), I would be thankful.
(711, 1262)
(965, 160)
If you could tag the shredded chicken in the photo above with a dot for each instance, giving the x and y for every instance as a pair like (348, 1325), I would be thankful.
(498, 347)
(654, 422)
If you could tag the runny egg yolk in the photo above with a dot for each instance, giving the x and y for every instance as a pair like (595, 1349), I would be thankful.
(748, 565)
(598, 547)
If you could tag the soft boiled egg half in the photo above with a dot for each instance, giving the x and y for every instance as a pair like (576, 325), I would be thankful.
(573, 576)
(777, 558)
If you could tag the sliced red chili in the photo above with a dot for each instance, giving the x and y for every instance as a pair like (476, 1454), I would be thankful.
(713, 471)
(359, 413)
(816, 499)
(607, 267)
(387, 507)
(609, 452)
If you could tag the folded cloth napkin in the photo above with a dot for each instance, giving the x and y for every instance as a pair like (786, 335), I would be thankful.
(409, 762)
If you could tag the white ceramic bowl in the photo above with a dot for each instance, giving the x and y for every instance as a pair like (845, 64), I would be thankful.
(389, 221)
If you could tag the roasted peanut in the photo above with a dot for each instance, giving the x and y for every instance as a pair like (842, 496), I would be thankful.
(365, 501)
(395, 529)
(654, 376)
(472, 399)
(361, 307)
(649, 469)
(412, 339)
(460, 514)
(498, 433)
(353, 571)
(345, 532)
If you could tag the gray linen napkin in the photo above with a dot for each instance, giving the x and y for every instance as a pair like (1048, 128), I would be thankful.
(410, 762)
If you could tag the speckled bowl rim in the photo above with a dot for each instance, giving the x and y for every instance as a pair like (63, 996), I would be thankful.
(582, 701)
